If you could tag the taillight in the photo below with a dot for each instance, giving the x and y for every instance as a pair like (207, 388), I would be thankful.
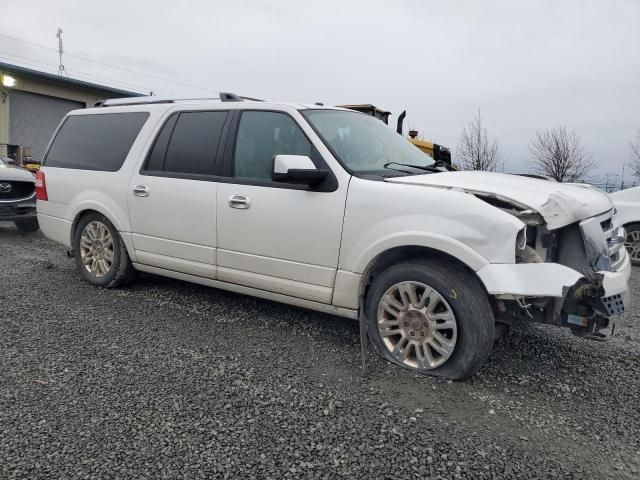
(41, 186)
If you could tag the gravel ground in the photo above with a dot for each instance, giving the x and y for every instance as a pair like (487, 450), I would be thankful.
(166, 379)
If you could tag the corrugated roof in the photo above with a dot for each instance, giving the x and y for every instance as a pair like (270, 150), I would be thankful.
(50, 77)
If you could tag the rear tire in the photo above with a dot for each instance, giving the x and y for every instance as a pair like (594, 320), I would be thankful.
(100, 253)
(28, 225)
(446, 322)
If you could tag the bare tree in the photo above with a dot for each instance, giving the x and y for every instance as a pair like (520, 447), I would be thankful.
(476, 150)
(559, 154)
(635, 154)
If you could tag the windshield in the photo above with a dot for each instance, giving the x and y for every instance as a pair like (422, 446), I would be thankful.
(363, 143)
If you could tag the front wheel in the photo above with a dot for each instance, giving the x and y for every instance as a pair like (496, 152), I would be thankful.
(431, 316)
(632, 242)
(100, 253)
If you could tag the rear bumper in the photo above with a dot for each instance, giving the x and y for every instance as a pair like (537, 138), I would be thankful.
(55, 228)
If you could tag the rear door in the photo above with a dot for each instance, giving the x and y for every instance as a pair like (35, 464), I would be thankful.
(172, 199)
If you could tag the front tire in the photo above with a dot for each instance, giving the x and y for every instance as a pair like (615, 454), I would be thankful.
(28, 225)
(431, 316)
(100, 253)
(632, 242)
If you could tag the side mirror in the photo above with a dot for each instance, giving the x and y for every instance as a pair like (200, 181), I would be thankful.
(297, 169)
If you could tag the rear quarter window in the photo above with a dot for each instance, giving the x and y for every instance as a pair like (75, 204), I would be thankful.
(95, 142)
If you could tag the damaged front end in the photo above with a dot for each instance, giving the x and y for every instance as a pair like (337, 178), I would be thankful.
(573, 276)
(595, 247)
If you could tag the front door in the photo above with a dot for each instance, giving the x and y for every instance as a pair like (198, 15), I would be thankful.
(273, 236)
(172, 200)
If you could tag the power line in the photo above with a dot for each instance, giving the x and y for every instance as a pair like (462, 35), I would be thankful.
(176, 82)
(38, 63)
(28, 60)
(109, 65)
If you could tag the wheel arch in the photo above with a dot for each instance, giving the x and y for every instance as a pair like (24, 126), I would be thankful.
(100, 210)
(631, 223)
(87, 210)
(398, 254)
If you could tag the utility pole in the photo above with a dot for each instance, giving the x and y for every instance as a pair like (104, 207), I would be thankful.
(622, 178)
(61, 70)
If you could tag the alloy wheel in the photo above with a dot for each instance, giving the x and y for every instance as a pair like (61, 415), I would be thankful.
(96, 249)
(417, 325)
(632, 243)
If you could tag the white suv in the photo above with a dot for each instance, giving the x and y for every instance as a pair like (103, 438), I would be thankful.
(331, 210)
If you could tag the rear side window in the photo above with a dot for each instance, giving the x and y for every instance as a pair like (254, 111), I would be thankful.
(188, 143)
(156, 157)
(95, 142)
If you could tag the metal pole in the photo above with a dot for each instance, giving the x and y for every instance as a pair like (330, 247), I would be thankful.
(61, 70)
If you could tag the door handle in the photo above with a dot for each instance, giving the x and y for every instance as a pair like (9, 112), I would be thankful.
(141, 191)
(239, 201)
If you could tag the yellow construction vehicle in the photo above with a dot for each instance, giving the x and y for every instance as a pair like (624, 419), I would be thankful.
(435, 151)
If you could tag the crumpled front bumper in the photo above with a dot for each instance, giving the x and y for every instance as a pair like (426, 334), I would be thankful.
(511, 281)
(616, 289)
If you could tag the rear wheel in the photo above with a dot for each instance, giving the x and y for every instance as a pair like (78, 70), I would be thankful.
(27, 225)
(632, 242)
(100, 253)
(431, 316)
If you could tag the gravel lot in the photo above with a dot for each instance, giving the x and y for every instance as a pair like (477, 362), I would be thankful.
(165, 379)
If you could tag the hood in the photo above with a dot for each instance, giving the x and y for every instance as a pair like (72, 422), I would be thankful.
(628, 195)
(559, 204)
(15, 174)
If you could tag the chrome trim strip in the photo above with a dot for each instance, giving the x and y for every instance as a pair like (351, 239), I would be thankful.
(23, 199)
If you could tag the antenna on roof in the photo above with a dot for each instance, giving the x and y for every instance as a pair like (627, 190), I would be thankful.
(61, 70)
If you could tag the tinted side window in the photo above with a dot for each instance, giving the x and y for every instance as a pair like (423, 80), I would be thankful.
(95, 142)
(159, 150)
(194, 143)
(261, 136)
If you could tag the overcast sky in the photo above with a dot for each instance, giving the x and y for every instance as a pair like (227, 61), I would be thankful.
(527, 65)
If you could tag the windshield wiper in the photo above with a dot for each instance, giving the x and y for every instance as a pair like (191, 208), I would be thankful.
(426, 168)
(443, 164)
(386, 165)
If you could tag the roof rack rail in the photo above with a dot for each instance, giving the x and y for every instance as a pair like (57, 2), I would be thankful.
(147, 100)
(151, 100)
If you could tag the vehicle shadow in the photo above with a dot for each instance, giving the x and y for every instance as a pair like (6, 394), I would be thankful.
(531, 354)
